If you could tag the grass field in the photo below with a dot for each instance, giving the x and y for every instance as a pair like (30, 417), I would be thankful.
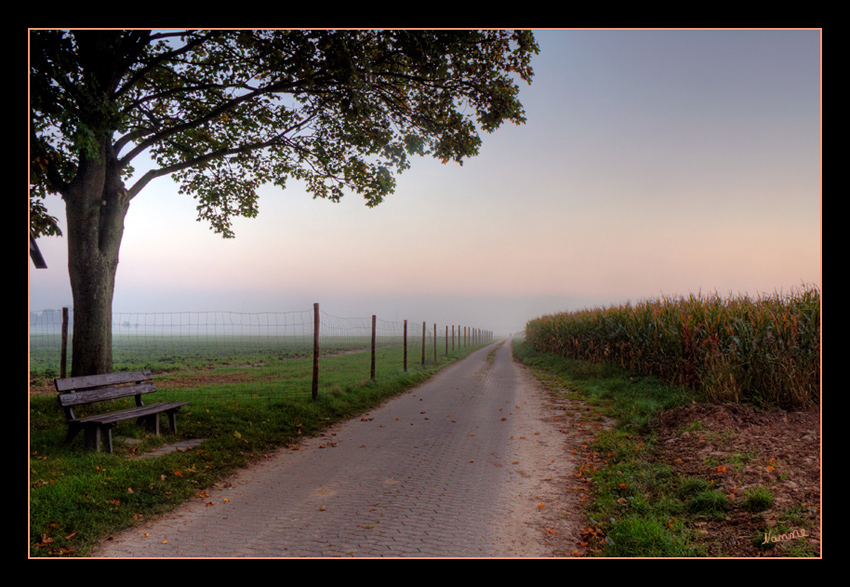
(167, 352)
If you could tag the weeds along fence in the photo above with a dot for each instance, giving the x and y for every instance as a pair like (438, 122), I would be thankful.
(765, 349)
(160, 341)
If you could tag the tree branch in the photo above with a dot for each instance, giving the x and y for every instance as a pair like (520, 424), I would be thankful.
(280, 138)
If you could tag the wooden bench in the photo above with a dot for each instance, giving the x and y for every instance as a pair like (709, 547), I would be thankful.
(90, 389)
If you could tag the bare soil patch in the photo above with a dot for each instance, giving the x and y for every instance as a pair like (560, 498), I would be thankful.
(738, 448)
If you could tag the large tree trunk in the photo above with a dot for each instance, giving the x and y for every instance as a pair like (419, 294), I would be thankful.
(96, 204)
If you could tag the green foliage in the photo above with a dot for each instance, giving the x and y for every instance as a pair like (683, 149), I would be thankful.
(224, 112)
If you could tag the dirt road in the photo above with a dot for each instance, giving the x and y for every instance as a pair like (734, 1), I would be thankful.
(470, 464)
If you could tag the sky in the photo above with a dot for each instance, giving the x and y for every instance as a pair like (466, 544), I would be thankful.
(653, 163)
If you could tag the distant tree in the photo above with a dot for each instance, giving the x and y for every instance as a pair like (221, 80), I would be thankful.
(224, 112)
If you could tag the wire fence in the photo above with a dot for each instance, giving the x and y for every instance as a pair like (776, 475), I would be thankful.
(162, 340)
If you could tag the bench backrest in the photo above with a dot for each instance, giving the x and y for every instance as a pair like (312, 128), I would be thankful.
(75, 391)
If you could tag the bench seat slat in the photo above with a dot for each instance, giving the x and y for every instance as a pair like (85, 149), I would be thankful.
(139, 412)
(77, 398)
(89, 381)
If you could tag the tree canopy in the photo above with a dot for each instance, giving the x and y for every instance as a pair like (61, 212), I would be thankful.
(225, 111)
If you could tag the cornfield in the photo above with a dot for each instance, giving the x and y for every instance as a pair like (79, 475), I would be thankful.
(766, 349)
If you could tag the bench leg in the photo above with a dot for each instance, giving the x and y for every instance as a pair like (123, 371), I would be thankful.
(150, 422)
(72, 434)
(97, 435)
(172, 420)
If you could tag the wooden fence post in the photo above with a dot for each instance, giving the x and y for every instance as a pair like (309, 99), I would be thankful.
(405, 346)
(423, 343)
(63, 359)
(435, 343)
(374, 324)
(315, 350)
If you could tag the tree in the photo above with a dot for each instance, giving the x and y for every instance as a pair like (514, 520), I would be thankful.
(223, 112)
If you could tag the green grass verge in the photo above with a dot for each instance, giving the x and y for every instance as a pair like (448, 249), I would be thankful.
(243, 411)
(637, 508)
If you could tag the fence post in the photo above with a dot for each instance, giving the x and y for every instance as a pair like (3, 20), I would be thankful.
(374, 323)
(447, 340)
(435, 343)
(315, 350)
(63, 359)
(423, 344)
(405, 346)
